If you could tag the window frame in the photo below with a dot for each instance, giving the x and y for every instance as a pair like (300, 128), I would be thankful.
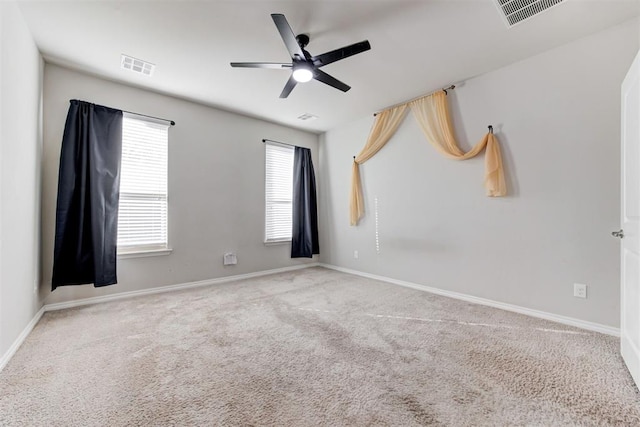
(147, 250)
(267, 240)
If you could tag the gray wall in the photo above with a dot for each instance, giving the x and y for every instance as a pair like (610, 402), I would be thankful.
(216, 186)
(557, 116)
(20, 154)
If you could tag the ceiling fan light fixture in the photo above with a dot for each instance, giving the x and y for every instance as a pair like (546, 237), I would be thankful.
(303, 65)
(302, 74)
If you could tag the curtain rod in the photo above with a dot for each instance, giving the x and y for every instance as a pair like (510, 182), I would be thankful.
(278, 142)
(130, 112)
(417, 97)
(151, 117)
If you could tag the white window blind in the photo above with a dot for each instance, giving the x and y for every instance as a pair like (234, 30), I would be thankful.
(142, 215)
(278, 191)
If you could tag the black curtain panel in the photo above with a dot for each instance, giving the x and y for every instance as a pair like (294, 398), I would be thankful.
(304, 237)
(88, 193)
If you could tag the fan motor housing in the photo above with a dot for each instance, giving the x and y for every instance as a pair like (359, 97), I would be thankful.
(303, 40)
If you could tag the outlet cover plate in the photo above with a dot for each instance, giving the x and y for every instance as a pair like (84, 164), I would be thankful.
(579, 290)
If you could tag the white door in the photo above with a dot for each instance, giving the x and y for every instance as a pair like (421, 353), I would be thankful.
(630, 212)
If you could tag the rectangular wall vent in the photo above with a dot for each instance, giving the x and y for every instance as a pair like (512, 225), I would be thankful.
(516, 11)
(137, 65)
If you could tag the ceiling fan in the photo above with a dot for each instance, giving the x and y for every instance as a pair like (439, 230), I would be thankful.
(304, 66)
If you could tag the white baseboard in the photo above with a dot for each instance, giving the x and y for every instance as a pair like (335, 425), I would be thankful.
(18, 342)
(583, 324)
(169, 288)
(95, 300)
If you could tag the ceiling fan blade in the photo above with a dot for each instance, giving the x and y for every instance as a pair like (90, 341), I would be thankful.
(287, 35)
(291, 83)
(325, 78)
(275, 65)
(338, 54)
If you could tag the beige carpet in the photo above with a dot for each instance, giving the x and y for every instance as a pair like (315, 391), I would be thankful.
(307, 348)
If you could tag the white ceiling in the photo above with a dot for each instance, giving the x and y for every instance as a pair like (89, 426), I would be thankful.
(417, 47)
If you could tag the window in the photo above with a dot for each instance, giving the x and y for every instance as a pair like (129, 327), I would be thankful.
(142, 215)
(278, 191)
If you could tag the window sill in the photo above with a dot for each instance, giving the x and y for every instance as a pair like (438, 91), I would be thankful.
(144, 253)
(277, 242)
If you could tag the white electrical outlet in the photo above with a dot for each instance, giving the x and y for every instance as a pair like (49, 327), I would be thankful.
(579, 290)
(355, 254)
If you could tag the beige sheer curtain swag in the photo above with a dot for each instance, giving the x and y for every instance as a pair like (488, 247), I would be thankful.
(432, 113)
(384, 126)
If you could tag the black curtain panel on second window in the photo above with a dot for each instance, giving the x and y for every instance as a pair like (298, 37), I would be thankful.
(304, 236)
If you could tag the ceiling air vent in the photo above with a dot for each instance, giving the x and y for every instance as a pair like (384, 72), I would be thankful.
(307, 116)
(516, 11)
(137, 65)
